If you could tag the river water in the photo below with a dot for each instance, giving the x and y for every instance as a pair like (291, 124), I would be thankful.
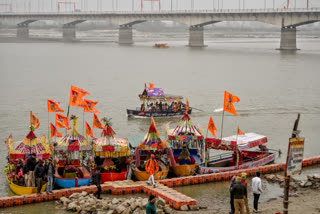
(273, 86)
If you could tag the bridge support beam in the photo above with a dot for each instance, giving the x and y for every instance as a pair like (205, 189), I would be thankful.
(23, 31)
(196, 36)
(288, 40)
(125, 34)
(69, 32)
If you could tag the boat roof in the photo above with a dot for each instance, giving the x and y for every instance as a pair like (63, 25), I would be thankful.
(158, 93)
(242, 142)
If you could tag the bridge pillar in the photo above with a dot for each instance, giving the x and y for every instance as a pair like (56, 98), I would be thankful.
(69, 32)
(196, 36)
(125, 34)
(288, 39)
(23, 31)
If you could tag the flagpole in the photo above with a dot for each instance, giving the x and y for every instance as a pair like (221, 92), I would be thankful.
(48, 126)
(83, 123)
(222, 124)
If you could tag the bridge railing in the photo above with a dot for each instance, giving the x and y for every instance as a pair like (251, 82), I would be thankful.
(218, 11)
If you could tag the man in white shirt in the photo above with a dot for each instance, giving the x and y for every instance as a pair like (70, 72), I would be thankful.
(257, 190)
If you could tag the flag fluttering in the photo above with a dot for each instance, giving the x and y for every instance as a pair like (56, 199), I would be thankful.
(187, 106)
(239, 132)
(53, 106)
(54, 131)
(62, 121)
(211, 127)
(34, 121)
(89, 130)
(76, 95)
(229, 99)
(89, 106)
(97, 123)
(151, 85)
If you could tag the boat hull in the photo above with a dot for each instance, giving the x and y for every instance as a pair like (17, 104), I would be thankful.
(141, 114)
(261, 162)
(184, 170)
(144, 176)
(113, 176)
(20, 190)
(72, 182)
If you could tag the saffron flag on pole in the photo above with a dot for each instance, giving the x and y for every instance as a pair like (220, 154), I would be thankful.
(89, 130)
(239, 132)
(97, 123)
(62, 121)
(53, 106)
(211, 127)
(76, 95)
(34, 121)
(54, 131)
(229, 99)
(187, 106)
(89, 106)
(151, 85)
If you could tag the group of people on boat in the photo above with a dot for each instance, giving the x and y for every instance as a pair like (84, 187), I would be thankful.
(162, 107)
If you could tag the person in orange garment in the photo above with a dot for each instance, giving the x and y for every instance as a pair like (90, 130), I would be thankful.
(152, 167)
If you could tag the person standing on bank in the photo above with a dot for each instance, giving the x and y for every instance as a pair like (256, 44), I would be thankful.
(49, 171)
(233, 182)
(238, 190)
(245, 198)
(97, 180)
(31, 164)
(152, 168)
(39, 174)
(257, 190)
(151, 208)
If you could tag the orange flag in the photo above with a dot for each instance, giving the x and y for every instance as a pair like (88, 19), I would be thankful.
(187, 106)
(53, 106)
(211, 127)
(154, 123)
(97, 123)
(54, 131)
(76, 95)
(34, 121)
(229, 99)
(62, 121)
(89, 131)
(89, 106)
(151, 85)
(239, 132)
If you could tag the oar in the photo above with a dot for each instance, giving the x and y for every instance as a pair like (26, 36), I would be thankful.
(197, 109)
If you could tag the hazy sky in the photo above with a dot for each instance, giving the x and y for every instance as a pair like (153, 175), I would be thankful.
(129, 5)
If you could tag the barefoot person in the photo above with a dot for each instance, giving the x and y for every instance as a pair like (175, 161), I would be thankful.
(257, 190)
(152, 168)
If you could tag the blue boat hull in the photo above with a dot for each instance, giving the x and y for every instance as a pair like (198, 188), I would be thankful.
(72, 182)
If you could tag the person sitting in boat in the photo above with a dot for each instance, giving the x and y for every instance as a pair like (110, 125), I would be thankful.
(142, 108)
(263, 148)
(160, 107)
(175, 107)
(184, 156)
(165, 107)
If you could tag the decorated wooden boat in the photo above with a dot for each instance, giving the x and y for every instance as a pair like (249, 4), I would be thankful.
(71, 153)
(152, 145)
(239, 157)
(160, 45)
(154, 103)
(111, 155)
(22, 190)
(187, 144)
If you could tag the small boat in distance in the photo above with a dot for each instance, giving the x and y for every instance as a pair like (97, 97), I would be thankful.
(160, 45)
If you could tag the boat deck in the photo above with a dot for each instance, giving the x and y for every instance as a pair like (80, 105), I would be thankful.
(172, 197)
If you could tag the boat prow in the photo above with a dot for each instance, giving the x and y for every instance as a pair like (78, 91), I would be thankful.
(21, 190)
(144, 176)
(184, 170)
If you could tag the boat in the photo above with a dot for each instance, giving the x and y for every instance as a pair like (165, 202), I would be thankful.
(18, 153)
(71, 152)
(160, 45)
(239, 157)
(152, 144)
(111, 154)
(186, 137)
(155, 103)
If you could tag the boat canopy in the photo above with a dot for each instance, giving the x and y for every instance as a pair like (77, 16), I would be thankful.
(185, 130)
(158, 94)
(235, 142)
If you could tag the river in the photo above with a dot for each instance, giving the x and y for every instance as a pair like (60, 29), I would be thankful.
(273, 86)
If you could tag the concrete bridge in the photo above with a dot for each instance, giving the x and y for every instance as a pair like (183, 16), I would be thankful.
(287, 20)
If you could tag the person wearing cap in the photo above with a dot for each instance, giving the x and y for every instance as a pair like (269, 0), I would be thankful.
(245, 198)
(31, 164)
(49, 170)
(39, 174)
(151, 167)
(238, 190)
(151, 208)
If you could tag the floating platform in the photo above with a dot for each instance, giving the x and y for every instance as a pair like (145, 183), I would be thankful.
(172, 197)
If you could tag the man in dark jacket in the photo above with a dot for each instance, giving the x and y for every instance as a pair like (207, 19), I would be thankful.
(39, 174)
(49, 171)
(97, 180)
(31, 164)
(239, 190)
